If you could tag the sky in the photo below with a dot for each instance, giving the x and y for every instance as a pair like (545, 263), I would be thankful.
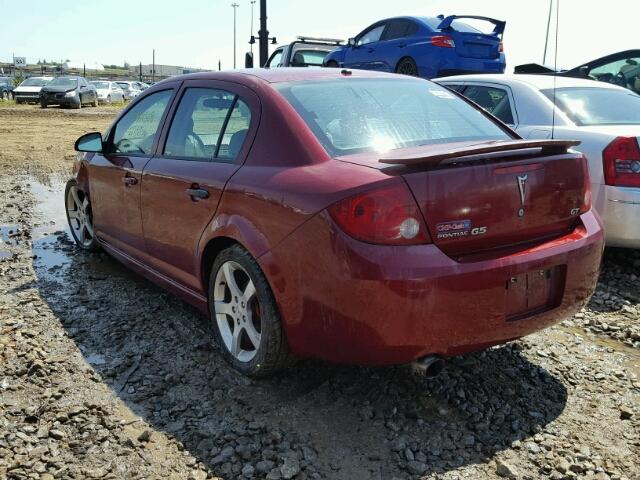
(199, 33)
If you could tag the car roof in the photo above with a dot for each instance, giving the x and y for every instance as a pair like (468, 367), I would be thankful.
(541, 82)
(279, 75)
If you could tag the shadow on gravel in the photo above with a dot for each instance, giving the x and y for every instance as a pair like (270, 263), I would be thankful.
(321, 420)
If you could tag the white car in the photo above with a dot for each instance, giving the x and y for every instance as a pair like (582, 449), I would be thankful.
(108, 92)
(131, 89)
(604, 117)
(29, 90)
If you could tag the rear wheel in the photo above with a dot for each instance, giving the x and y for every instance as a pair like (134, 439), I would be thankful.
(80, 216)
(246, 322)
(407, 66)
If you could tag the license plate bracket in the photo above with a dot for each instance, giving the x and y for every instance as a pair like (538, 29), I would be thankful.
(534, 292)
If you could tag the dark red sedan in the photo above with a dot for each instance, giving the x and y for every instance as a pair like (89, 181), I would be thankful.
(346, 215)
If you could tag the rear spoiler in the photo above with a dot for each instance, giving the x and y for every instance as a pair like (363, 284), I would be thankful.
(446, 22)
(535, 68)
(441, 152)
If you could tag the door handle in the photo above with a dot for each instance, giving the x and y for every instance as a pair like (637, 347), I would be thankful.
(197, 193)
(129, 181)
(401, 45)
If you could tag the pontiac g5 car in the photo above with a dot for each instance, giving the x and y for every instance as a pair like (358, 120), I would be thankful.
(356, 217)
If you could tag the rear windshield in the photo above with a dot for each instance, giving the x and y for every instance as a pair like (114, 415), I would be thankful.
(101, 84)
(364, 114)
(597, 106)
(123, 85)
(456, 25)
(308, 58)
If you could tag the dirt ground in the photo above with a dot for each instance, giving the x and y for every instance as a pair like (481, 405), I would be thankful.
(104, 375)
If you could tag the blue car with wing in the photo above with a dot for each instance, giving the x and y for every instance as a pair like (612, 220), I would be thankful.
(426, 47)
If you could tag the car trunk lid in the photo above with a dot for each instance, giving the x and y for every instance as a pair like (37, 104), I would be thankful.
(480, 196)
(470, 42)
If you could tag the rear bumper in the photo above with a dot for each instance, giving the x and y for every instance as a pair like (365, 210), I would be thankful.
(621, 213)
(450, 63)
(347, 301)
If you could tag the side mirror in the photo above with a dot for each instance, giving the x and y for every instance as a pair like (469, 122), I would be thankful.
(248, 60)
(90, 142)
(351, 42)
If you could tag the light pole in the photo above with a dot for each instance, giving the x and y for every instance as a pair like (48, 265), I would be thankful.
(235, 6)
(253, 2)
(546, 39)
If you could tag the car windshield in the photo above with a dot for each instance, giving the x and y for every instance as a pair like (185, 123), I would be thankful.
(362, 115)
(124, 86)
(104, 85)
(63, 82)
(34, 82)
(598, 106)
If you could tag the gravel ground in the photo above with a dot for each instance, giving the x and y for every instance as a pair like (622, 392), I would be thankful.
(104, 375)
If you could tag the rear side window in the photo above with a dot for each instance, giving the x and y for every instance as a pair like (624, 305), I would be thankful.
(206, 125)
(493, 100)
(135, 132)
(400, 29)
(359, 115)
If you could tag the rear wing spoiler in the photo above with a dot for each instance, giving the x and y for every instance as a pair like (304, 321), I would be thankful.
(446, 22)
(439, 153)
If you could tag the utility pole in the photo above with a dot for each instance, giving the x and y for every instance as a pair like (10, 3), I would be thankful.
(235, 6)
(253, 2)
(153, 67)
(263, 34)
(140, 71)
(546, 39)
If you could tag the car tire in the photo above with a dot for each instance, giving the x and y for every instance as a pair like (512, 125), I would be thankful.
(95, 101)
(108, 99)
(5, 95)
(234, 311)
(43, 104)
(79, 105)
(332, 64)
(407, 66)
(80, 216)
(9, 95)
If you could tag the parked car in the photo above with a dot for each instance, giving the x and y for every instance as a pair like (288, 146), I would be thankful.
(621, 68)
(425, 47)
(6, 88)
(131, 89)
(604, 117)
(70, 91)
(303, 52)
(108, 92)
(29, 90)
(373, 218)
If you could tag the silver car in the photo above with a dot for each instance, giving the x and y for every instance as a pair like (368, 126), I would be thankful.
(108, 92)
(131, 89)
(604, 117)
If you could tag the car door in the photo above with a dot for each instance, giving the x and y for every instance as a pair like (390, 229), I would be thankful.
(207, 140)
(276, 58)
(114, 176)
(363, 54)
(393, 44)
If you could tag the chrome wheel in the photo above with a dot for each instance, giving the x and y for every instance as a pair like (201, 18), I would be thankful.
(79, 215)
(237, 311)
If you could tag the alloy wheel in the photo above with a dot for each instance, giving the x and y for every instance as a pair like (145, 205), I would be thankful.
(237, 311)
(407, 67)
(80, 218)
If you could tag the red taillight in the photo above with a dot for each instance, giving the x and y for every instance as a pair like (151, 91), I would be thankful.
(586, 195)
(444, 41)
(388, 215)
(501, 47)
(621, 162)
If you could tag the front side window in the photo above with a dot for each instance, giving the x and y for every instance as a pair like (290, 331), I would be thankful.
(362, 115)
(493, 100)
(371, 36)
(625, 73)
(597, 106)
(135, 132)
(276, 59)
(206, 125)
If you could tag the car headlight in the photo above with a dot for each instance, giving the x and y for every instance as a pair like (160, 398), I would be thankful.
(72, 93)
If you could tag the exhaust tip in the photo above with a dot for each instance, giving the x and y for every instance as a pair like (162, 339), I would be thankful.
(430, 366)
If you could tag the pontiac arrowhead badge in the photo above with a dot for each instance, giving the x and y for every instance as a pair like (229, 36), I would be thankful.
(522, 187)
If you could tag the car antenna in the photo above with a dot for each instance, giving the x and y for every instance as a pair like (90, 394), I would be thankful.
(555, 71)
